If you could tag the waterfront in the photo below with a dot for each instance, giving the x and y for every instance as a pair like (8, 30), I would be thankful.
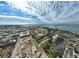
(71, 28)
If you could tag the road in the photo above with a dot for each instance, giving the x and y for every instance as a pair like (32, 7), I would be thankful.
(43, 42)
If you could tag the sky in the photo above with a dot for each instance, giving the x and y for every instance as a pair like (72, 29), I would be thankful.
(38, 12)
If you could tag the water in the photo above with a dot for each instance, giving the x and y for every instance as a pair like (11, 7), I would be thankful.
(67, 27)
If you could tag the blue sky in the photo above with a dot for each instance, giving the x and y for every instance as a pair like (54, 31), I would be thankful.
(37, 12)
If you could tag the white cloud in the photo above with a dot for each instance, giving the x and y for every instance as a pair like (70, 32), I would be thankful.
(18, 20)
(22, 18)
(37, 8)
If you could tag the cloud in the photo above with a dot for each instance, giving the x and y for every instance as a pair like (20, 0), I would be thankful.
(16, 20)
(42, 11)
